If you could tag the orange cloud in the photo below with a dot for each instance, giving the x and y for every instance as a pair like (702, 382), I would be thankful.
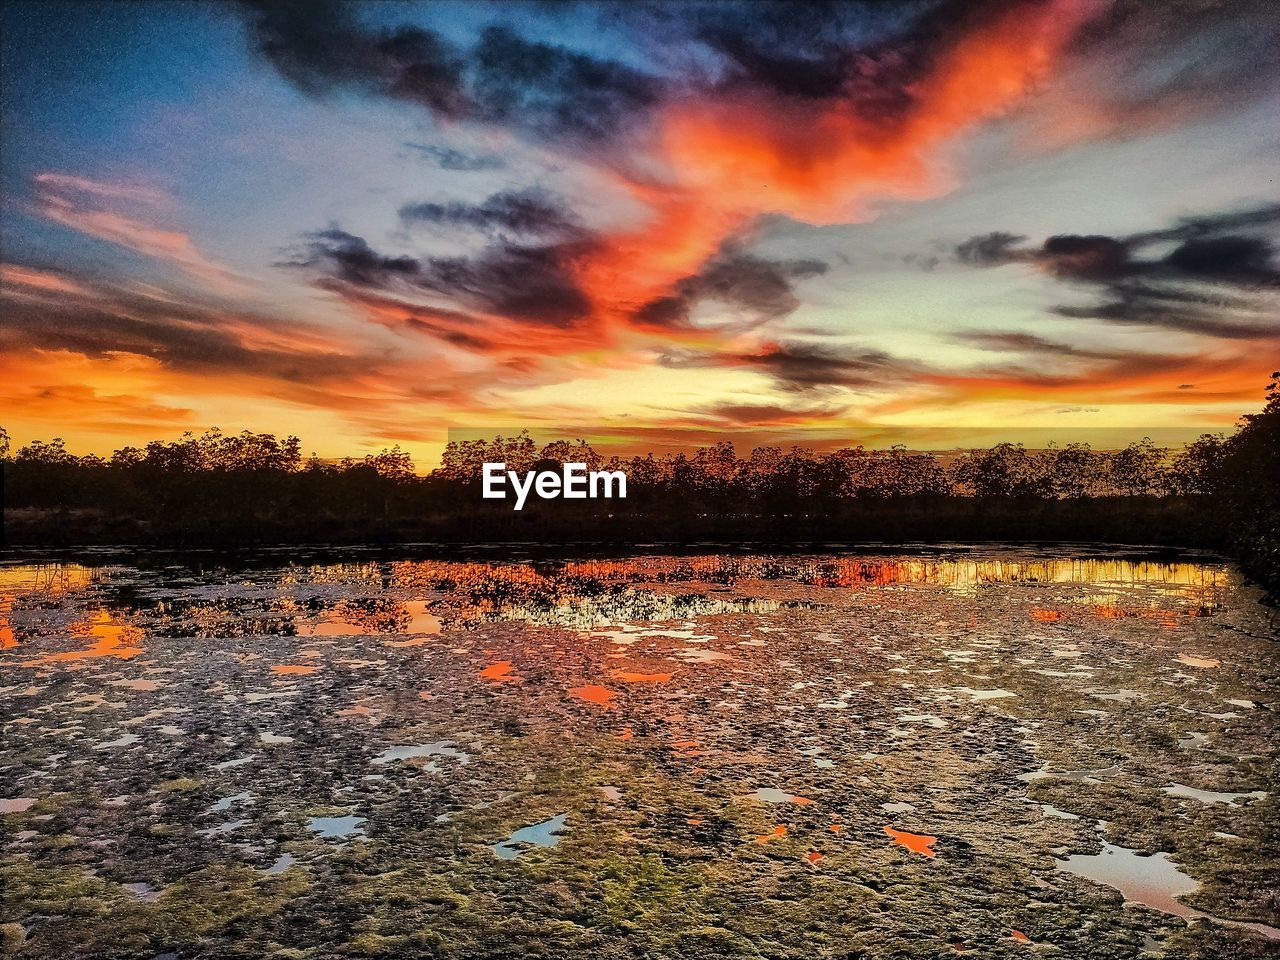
(729, 157)
(79, 204)
(38, 282)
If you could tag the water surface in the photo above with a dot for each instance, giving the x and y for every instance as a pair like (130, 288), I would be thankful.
(680, 756)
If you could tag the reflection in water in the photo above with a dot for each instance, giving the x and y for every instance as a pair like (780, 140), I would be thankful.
(1211, 796)
(631, 676)
(283, 863)
(1154, 881)
(779, 831)
(7, 639)
(331, 827)
(499, 672)
(545, 834)
(594, 693)
(920, 843)
(112, 638)
(411, 752)
(1204, 663)
(666, 705)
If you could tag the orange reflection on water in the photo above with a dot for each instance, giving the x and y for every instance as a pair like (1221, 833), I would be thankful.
(411, 642)
(814, 856)
(779, 831)
(112, 639)
(1204, 663)
(7, 639)
(920, 843)
(499, 672)
(628, 676)
(594, 693)
(1048, 616)
(293, 668)
(45, 578)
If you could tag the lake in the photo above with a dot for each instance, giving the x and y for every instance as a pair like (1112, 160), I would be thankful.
(720, 754)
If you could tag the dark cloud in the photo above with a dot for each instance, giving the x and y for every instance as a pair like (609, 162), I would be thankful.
(352, 259)
(530, 212)
(320, 47)
(549, 91)
(1243, 259)
(1133, 303)
(537, 284)
(1027, 343)
(1220, 280)
(191, 336)
(760, 288)
(869, 54)
(1171, 62)
(555, 92)
(745, 414)
(1085, 257)
(1214, 224)
(450, 159)
(1144, 65)
(803, 366)
(525, 282)
(990, 249)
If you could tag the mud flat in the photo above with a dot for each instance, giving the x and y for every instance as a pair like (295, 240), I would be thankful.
(999, 753)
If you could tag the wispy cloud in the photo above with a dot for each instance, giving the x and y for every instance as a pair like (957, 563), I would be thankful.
(92, 207)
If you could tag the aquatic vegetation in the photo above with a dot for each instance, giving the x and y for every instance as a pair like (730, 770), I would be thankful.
(703, 756)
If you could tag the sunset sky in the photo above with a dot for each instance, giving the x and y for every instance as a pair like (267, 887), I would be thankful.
(939, 224)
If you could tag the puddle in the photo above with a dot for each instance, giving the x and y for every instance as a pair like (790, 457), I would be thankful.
(544, 834)
(1204, 663)
(628, 676)
(145, 686)
(283, 863)
(128, 740)
(143, 891)
(335, 827)
(986, 694)
(16, 804)
(920, 843)
(231, 764)
(1153, 881)
(1120, 696)
(773, 795)
(442, 748)
(1211, 796)
(226, 803)
(499, 672)
(594, 693)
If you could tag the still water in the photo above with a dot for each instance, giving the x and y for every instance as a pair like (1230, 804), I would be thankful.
(715, 755)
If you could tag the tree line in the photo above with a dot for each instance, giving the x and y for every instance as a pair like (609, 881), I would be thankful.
(1220, 491)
